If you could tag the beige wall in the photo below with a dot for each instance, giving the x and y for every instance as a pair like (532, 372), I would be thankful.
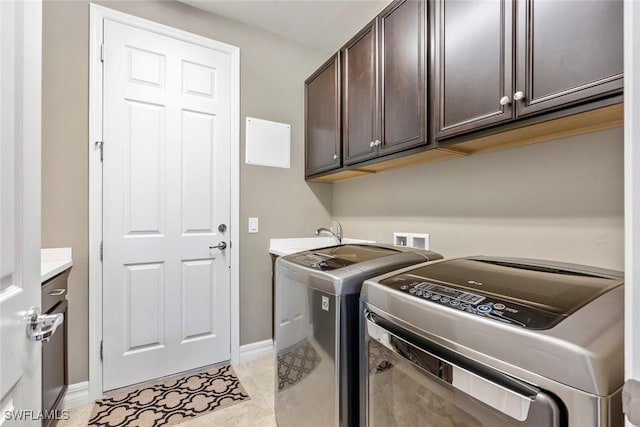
(559, 200)
(272, 74)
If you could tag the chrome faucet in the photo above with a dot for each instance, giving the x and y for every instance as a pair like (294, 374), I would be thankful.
(335, 234)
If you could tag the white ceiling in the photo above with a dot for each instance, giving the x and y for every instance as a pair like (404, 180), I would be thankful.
(322, 24)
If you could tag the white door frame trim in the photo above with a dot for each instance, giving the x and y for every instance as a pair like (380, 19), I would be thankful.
(97, 16)
(632, 195)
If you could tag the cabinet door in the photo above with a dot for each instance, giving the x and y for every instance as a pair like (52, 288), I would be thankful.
(568, 52)
(322, 118)
(403, 76)
(360, 113)
(473, 64)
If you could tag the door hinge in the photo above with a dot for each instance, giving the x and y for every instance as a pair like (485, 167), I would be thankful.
(100, 145)
(102, 52)
(101, 251)
(101, 351)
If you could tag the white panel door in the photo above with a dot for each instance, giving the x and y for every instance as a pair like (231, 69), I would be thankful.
(166, 167)
(20, 76)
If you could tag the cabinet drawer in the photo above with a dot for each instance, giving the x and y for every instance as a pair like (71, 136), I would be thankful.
(54, 290)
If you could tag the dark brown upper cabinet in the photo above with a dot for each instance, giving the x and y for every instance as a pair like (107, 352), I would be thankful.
(385, 84)
(322, 118)
(360, 90)
(473, 64)
(566, 53)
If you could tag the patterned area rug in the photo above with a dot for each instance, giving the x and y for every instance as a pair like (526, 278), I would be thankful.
(172, 401)
(295, 365)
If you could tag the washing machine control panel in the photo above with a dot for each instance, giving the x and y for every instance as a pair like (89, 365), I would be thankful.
(475, 303)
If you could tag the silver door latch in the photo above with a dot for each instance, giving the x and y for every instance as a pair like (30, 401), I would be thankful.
(221, 245)
(40, 327)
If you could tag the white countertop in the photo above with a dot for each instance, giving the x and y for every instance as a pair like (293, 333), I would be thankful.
(288, 246)
(54, 261)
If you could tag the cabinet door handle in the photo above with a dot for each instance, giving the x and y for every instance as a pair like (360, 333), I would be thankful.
(505, 100)
(518, 95)
(377, 142)
(335, 157)
(372, 144)
(57, 292)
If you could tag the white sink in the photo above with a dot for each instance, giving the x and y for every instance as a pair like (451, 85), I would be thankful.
(297, 244)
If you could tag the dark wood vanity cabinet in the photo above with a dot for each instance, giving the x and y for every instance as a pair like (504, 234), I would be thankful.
(322, 118)
(498, 60)
(385, 84)
(54, 352)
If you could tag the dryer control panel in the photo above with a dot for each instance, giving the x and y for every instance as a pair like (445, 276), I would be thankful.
(475, 303)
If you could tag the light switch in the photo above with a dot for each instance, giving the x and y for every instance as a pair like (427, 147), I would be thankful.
(253, 225)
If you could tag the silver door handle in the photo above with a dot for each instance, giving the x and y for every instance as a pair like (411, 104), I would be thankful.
(57, 292)
(40, 327)
(518, 95)
(504, 100)
(222, 246)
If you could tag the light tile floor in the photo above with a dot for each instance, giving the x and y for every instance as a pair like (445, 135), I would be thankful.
(257, 378)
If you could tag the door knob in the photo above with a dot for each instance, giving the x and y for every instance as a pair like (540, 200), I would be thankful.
(335, 157)
(222, 246)
(40, 327)
(372, 144)
(504, 100)
(222, 228)
(518, 95)
(377, 142)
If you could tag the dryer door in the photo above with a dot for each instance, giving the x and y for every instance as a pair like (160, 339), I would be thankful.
(410, 384)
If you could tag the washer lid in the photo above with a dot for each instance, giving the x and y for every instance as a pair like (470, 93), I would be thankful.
(555, 288)
(335, 257)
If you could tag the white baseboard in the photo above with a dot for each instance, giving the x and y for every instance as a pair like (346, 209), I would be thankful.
(249, 352)
(76, 395)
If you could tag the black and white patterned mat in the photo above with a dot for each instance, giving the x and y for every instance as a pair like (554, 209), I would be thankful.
(172, 401)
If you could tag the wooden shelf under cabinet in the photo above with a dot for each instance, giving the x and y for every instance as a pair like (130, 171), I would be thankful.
(577, 124)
